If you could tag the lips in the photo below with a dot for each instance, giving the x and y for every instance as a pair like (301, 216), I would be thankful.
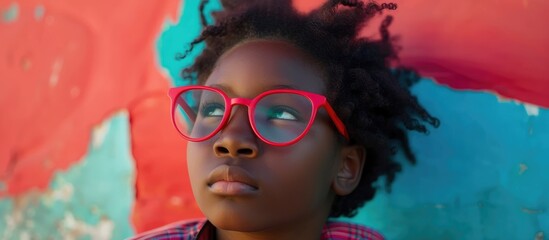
(228, 180)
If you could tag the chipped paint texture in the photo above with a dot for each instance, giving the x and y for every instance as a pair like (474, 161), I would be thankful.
(10, 13)
(482, 175)
(90, 200)
(65, 68)
(68, 67)
(39, 12)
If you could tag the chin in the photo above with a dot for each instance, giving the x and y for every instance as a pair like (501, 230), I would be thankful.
(237, 219)
(229, 222)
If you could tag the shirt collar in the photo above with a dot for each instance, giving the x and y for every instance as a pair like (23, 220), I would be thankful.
(207, 232)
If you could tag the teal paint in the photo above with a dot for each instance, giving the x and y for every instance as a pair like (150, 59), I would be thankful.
(11, 13)
(91, 200)
(482, 175)
(176, 38)
(39, 12)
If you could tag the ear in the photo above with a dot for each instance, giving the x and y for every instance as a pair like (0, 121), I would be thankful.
(349, 169)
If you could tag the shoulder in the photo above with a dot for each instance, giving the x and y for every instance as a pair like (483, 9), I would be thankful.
(334, 230)
(187, 229)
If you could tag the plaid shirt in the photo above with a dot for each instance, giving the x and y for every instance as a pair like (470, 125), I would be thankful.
(203, 230)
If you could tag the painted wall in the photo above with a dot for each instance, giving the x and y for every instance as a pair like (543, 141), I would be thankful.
(87, 150)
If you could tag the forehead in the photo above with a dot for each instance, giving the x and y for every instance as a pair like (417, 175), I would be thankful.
(260, 65)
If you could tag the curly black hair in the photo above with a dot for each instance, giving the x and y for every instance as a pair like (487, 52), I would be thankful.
(368, 91)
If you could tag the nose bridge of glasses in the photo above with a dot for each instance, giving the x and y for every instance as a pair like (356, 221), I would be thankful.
(238, 101)
(242, 121)
(241, 101)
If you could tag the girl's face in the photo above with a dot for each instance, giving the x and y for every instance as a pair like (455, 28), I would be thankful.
(244, 184)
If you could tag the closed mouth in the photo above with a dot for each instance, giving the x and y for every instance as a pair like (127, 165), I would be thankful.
(231, 180)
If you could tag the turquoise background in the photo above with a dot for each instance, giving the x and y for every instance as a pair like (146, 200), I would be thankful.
(91, 200)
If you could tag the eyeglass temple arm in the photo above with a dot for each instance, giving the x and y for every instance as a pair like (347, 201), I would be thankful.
(338, 123)
(187, 109)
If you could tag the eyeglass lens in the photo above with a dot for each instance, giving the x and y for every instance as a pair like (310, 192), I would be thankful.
(277, 117)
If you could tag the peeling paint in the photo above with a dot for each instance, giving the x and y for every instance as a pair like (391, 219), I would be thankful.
(502, 99)
(492, 175)
(90, 200)
(72, 228)
(25, 236)
(63, 193)
(531, 211)
(523, 167)
(11, 13)
(531, 110)
(63, 57)
(491, 191)
(176, 201)
(99, 133)
(56, 69)
(39, 12)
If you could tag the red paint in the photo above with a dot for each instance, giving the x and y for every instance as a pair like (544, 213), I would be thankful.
(500, 46)
(70, 70)
(83, 60)
(163, 192)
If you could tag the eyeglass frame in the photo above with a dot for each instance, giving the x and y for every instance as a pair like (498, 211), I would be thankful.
(316, 100)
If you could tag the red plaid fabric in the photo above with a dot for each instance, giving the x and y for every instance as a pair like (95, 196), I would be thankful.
(203, 230)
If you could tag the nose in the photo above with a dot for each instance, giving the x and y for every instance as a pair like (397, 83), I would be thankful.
(237, 139)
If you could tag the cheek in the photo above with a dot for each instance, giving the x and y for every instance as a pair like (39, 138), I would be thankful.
(303, 175)
(317, 161)
(197, 167)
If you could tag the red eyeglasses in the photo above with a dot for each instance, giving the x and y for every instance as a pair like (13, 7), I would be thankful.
(278, 117)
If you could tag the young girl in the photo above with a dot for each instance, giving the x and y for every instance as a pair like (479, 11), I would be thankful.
(291, 120)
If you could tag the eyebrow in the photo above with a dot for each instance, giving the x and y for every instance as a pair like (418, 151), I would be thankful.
(283, 86)
(227, 90)
(220, 86)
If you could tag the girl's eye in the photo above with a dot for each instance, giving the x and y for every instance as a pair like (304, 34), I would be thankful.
(282, 113)
(212, 110)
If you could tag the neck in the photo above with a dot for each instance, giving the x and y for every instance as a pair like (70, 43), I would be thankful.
(302, 230)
